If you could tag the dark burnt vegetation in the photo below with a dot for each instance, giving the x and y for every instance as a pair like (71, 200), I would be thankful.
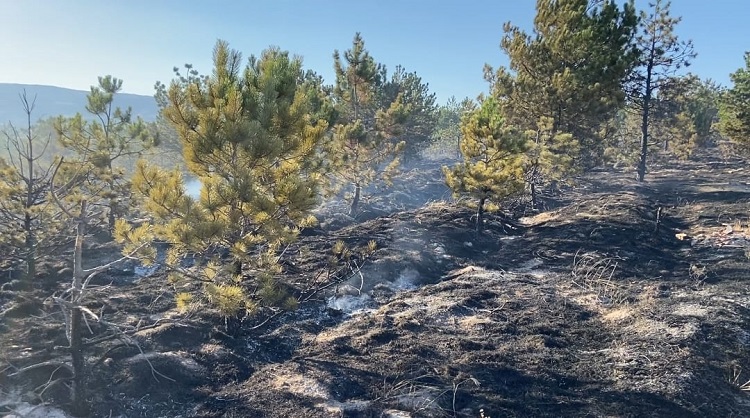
(575, 242)
(495, 321)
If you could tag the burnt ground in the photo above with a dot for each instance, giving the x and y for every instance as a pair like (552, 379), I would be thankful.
(621, 300)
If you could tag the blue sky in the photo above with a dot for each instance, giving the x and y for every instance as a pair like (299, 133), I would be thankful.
(70, 43)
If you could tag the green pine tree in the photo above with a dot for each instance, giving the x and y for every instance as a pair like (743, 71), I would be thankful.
(76, 194)
(248, 136)
(363, 146)
(683, 115)
(661, 54)
(105, 141)
(702, 104)
(734, 113)
(417, 127)
(493, 159)
(571, 69)
(29, 227)
(620, 144)
(446, 137)
(550, 157)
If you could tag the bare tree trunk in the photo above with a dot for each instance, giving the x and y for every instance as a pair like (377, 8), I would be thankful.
(80, 408)
(644, 141)
(112, 215)
(480, 215)
(31, 184)
(532, 178)
(237, 267)
(355, 201)
(644, 122)
(111, 218)
(78, 390)
(30, 249)
(78, 252)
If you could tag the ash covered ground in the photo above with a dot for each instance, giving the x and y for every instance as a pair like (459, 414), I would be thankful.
(620, 299)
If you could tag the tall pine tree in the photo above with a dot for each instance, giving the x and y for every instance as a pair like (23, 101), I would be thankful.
(29, 228)
(446, 137)
(734, 110)
(493, 159)
(248, 136)
(570, 70)
(105, 139)
(419, 124)
(549, 156)
(363, 146)
(661, 54)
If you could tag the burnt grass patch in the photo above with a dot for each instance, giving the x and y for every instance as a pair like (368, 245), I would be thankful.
(622, 300)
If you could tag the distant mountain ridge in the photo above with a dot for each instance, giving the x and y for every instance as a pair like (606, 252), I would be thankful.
(54, 101)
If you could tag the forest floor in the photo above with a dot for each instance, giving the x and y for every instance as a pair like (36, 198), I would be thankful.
(621, 299)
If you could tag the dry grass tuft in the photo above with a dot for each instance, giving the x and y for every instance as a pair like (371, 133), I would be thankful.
(596, 272)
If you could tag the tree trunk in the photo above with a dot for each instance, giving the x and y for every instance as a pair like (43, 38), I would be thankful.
(237, 267)
(78, 390)
(113, 209)
(28, 226)
(30, 251)
(532, 179)
(111, 217)
(80, 407)
(355, 201)
(644, 122)
(480, 215)
(644, 140)
(78, 252)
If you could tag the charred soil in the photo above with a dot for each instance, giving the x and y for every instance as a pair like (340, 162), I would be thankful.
(621, 300)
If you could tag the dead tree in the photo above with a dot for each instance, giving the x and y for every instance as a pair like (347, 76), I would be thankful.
(72, 301)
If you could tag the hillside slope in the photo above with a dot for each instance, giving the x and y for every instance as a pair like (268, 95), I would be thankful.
(53, 101)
